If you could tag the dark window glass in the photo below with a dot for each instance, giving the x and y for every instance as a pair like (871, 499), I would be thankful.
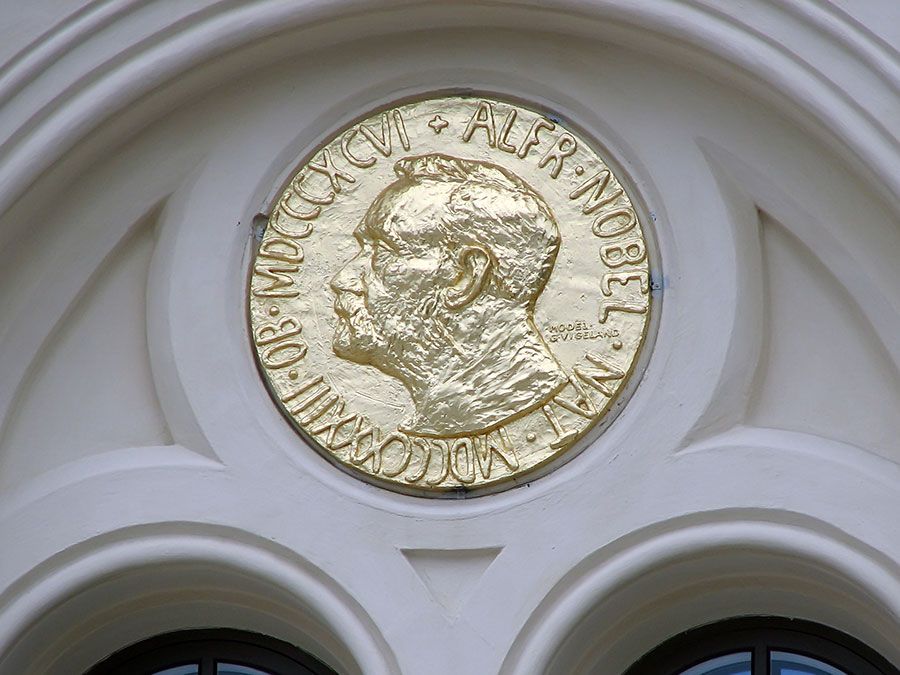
(730, 664)
(211, 652)
(785, 663)
(235, 669)
(763, 646)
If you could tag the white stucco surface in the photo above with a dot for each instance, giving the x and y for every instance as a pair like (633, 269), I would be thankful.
(148, 484)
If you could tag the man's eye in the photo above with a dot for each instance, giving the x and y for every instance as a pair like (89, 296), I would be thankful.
(380, 254)
(382, 250)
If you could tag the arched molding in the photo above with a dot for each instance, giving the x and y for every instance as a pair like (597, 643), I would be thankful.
(844, 457)
(624, 599)
(98, 80)
(651, 19)
(170, 459)
(197, 353)
(106, 593)
(840, 94)
(815, 232)
(746, 190)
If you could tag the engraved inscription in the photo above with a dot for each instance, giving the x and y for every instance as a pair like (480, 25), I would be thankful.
(572, 331)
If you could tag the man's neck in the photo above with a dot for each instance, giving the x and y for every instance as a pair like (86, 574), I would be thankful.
(502, 371)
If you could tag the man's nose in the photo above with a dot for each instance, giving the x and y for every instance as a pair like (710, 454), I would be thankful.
(348, 278)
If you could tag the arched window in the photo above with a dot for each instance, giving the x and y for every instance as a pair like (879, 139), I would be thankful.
(763, 646)
(211, 652)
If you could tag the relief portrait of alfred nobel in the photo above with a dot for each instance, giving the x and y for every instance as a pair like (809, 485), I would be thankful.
(453, 256)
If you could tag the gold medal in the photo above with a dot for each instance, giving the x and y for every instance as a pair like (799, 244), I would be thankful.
(449, 295)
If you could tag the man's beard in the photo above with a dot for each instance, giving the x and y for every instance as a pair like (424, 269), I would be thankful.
(397, 346)
(355, 336)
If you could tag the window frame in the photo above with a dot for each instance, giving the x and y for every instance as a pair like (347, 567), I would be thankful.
(207, 648)
(761, 636)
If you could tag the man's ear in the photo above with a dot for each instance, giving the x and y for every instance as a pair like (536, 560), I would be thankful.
(475, 266)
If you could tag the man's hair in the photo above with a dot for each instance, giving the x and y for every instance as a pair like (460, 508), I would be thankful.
(481, 204)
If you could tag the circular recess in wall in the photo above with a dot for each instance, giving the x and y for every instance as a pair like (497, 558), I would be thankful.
(453, 295)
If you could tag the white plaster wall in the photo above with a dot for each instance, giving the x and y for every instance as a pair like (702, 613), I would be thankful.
(148, 484)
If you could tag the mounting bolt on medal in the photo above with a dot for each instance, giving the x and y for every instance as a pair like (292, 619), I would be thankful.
(449, 295)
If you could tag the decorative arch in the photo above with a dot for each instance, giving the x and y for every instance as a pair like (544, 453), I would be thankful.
(621, 602)
(101, 81)
(128, 586)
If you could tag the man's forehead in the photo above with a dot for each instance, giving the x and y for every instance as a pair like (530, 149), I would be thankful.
(375, 228)
(403, 215)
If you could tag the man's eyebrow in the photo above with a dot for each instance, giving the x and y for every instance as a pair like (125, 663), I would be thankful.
(391, 240)
(388, 237)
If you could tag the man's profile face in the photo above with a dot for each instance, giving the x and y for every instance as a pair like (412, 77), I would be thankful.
(385, 297)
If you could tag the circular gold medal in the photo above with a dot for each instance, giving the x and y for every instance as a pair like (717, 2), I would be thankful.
(450, 294)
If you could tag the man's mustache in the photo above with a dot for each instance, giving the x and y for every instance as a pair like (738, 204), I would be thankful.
(347, 305)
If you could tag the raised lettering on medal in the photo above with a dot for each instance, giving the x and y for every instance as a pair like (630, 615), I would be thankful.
(450, 295)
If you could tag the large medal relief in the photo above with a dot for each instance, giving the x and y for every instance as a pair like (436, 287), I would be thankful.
(450, 295)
